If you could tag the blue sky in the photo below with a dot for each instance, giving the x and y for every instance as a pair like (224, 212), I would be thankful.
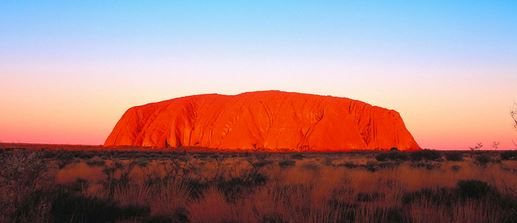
(264, 26)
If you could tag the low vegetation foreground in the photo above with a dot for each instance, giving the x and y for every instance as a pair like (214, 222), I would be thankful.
(49, 185)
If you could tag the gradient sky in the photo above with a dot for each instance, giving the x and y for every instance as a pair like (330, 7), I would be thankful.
(69, 69)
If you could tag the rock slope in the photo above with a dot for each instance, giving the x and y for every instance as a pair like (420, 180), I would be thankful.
(264, 120)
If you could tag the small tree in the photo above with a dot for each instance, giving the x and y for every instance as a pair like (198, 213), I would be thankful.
(495, 145)
(477, 147)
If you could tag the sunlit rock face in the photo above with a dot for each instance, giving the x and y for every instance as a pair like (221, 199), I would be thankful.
(265, 120)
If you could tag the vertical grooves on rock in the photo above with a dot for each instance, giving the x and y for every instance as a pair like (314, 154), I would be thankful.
(269, 119)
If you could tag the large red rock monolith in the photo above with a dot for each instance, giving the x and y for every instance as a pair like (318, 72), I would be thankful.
(265, 120)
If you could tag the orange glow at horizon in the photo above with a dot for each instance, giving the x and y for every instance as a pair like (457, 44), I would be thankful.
(63, 115)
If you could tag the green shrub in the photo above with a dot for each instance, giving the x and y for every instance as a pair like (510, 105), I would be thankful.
(235, 187)
(142, 162)
(425, 164)
(67, 207)
(393, 155)
(465, 190)
(196, 188)
(297, 156)
(454, 156)
(395, 215)
(262, 163)
(349, 165)
(311, 166)
(180, 215)
(372, 166)
(473, 188)
(381, 157)
(368, 197)
(286, 163)
(483, 159)
(426, 154)
(95, 162)
(509, 155)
